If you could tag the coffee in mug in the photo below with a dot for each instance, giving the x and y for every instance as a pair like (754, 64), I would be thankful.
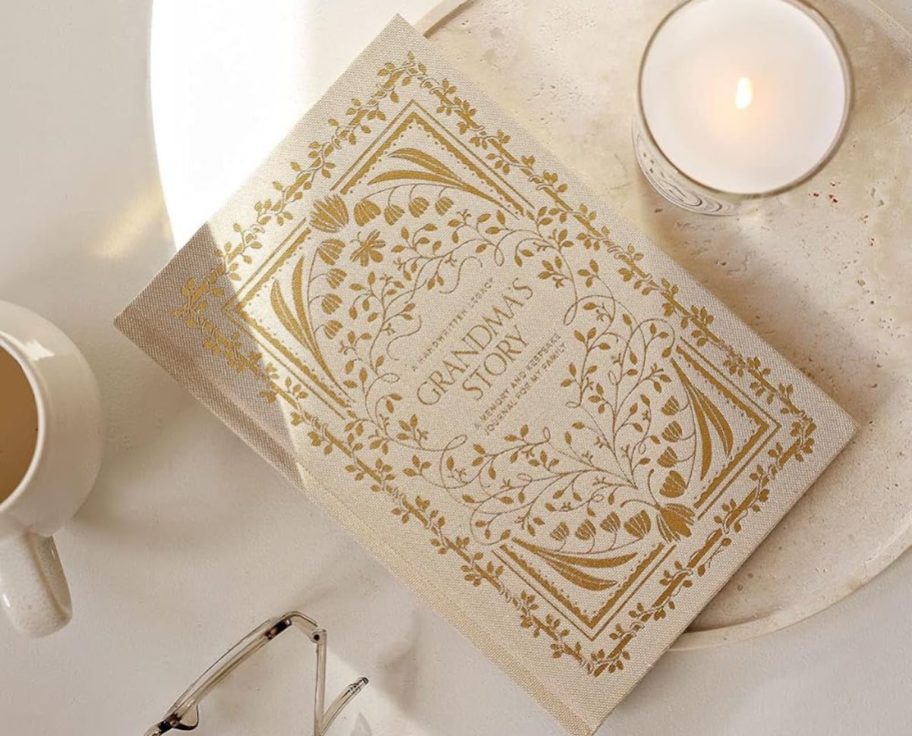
(51, 444)
(18, 424)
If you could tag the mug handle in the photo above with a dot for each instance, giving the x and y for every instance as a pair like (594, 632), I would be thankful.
(33, 589)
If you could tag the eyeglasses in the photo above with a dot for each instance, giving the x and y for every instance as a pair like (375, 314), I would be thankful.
(184, 714)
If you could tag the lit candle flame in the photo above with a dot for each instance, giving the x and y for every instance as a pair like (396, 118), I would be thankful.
(744, 93)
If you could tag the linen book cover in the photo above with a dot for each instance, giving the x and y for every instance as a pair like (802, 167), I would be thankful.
(530, 414)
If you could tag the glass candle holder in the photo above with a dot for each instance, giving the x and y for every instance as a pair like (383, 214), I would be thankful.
(739, 99)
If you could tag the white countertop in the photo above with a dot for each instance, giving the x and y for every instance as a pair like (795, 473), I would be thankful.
(189, 539)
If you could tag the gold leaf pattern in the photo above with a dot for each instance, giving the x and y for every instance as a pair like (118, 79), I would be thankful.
(433, 171)
(585, 531)
(574, 567)
(706, 415)
(329, 251)
(560, 532)
(674, 484)
(673, 432)
(668, 458)
(298, 322)
(333, 328)
(639, 524)
(365, 211)
(417, 206)
(671, 407)
(611, 523)
(425, 160)
(392, 213)
(442, 205)
(674, 521)
(335, 277)
(330, 214)
(330, 303)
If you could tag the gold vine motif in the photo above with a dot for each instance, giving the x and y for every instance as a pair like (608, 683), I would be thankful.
(680, 576)
(612, 390)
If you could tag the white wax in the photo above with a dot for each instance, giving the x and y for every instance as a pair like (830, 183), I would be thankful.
(744, 96)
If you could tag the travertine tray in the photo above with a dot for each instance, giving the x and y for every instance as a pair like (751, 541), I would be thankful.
(821, 272)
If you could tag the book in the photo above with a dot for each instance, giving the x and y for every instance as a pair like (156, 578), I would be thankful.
(529, 413)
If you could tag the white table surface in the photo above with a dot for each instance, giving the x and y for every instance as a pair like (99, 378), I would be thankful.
(189, 539)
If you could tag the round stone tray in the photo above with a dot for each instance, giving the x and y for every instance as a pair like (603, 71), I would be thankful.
(821, 272)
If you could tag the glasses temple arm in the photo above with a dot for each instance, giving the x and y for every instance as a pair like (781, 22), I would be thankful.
(344, 698)
(318, 637)
(324, 717)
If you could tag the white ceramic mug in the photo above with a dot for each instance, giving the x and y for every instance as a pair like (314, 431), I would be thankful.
(62, 471)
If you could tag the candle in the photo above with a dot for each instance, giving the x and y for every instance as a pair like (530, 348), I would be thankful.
(741, 96)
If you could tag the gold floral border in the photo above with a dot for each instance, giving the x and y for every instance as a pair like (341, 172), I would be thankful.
(694, 319)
